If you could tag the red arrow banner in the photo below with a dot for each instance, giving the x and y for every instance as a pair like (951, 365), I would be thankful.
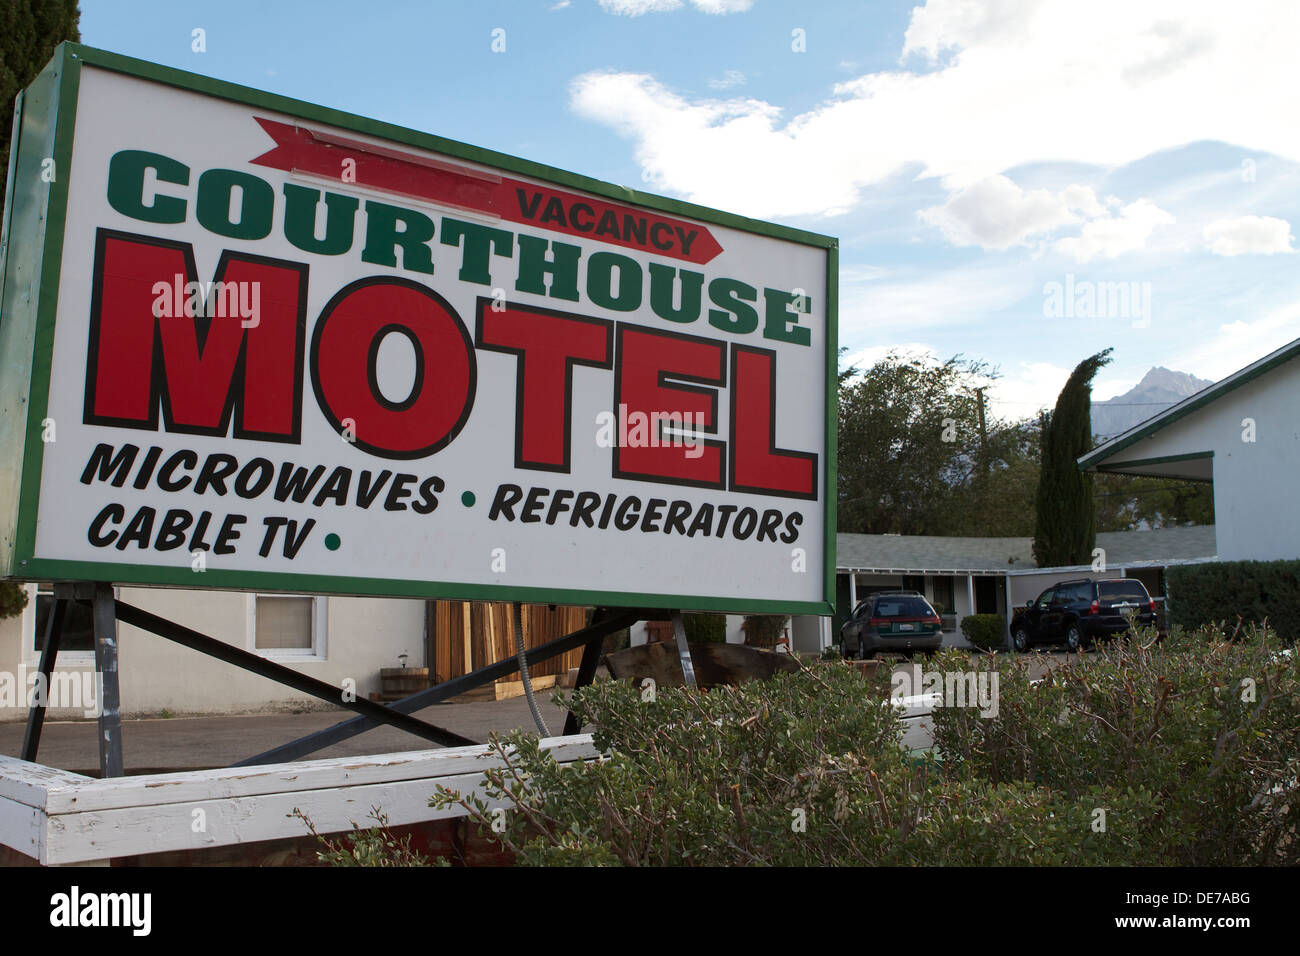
(298, 149)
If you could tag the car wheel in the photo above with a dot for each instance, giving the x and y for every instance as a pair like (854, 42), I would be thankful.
(1021, 640)
(1074, 639)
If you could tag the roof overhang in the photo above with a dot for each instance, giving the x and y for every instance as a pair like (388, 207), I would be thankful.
(1120, 456)
(1193, 466)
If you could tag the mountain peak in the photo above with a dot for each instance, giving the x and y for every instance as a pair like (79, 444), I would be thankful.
(1160, 388)
(1163, 378)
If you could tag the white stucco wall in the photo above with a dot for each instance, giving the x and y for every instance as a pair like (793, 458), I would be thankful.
(1256, 504)
(361, 636)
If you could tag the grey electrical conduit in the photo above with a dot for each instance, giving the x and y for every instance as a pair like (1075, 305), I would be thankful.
(517, 611)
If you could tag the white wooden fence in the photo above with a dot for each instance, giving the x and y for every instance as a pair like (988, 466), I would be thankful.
(57, 817)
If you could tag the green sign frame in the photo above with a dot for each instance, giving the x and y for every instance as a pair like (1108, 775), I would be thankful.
(30, 258)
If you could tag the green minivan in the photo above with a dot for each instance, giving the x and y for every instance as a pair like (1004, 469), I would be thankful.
(900, 621)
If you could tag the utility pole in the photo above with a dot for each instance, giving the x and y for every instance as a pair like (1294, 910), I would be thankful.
(984, 438)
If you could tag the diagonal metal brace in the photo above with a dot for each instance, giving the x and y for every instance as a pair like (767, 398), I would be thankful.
(49, 654)
(683, 649)
(371, 712)
(448, 689)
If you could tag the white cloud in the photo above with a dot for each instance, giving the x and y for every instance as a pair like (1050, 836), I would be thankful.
(1111, 236)
(1248, 235)
(722, 7)
(636, 8)
(1027, 389)
(864, 358)
(1107, 388)
(953, 24)
(995, 213)
(1239, 343)
(884, 309)
(1101, 83)
(563, 4)
(728, 79)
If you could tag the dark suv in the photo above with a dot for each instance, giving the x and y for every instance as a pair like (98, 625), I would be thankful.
(1079, 612)
(891, 621)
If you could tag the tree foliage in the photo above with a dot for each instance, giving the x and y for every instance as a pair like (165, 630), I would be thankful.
(13, 599)
(911, 459)
(1129, 502)
(1065, 528)
(29, 32)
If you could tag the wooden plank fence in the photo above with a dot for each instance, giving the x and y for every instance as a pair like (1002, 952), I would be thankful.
(472, 634)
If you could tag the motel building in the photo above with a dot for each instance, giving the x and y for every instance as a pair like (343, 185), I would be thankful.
(963, 576)
(1243, 435)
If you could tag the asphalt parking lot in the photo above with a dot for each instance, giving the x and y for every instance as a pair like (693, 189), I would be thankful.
(194, 743)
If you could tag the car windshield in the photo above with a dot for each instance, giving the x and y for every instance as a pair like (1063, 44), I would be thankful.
(902, 607)
(1123, 590)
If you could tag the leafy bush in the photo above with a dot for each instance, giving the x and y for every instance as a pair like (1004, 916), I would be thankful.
(764, 630)
(985, 631)
(705, 628)
(1139, 754)
(1205, 594)
(13, 598)
(375, 845)
(1196, 743)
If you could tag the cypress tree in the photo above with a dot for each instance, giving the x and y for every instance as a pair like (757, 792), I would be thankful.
(1065, 528)
(29, 32)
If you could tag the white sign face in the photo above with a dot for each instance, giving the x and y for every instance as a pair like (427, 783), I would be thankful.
(291, 354)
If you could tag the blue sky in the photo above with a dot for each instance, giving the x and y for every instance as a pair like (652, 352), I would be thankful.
(974, 158)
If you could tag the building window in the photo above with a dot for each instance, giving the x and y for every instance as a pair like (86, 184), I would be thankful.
(78, 640)
(944, 596)
(287, 625)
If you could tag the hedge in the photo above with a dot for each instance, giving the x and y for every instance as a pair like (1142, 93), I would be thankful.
(985, 631)
(806, 769)
(705, 628)
(764, 630)
(1204, 594)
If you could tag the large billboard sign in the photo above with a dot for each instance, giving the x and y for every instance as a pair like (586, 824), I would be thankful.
(248, 342)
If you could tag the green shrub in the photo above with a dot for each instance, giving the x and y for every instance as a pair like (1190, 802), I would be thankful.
(1205, 594)
(985, 631)
(705, 628)
(1205, 734)
(375, 845)
(13, 598)
(764, 630)
(1138, 754)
